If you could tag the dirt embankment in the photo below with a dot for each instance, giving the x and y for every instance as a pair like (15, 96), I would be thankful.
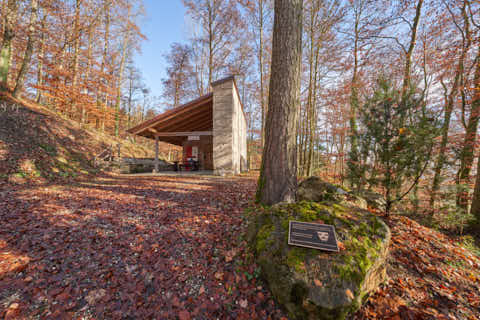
(37, 144)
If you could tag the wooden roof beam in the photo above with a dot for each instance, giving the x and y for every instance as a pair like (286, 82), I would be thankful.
(187, 124)
(184, 134)
(184, 119)
(206, 99)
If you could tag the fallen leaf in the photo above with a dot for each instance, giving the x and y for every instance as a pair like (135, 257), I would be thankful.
(243, 303)
(184, 315)
(317, 282)
(95, 295)
(13, 311)
(176, 302)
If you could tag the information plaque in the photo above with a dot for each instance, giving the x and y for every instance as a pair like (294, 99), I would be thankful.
(312, 235)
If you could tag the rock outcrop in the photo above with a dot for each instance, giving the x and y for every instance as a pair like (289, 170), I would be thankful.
(317, 190)
(314, 284)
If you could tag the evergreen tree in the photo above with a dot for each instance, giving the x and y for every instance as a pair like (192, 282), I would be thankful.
(396, 141)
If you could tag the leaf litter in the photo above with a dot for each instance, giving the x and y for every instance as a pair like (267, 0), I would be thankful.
(171, 247)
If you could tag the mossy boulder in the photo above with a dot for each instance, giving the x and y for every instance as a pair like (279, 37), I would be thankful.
(315, 189)
(314, 284)
(374, 200)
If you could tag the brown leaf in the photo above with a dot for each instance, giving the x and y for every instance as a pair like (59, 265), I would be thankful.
(176, 302)
(12, 312)
(229, 255)
(184, 315)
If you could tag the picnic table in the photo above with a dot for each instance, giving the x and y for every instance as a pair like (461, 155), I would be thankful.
(190, 165)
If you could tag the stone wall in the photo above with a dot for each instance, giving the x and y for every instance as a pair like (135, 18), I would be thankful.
(229, 129)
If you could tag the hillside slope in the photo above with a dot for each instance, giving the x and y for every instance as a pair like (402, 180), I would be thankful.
(37, 144)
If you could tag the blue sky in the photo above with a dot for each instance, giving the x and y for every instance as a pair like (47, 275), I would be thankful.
(163, 25)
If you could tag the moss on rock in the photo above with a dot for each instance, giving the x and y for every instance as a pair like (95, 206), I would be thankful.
(314, 284)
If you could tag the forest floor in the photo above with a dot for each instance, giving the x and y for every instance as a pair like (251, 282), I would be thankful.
(118, 247)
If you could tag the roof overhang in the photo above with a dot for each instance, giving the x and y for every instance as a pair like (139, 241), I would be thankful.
(172, 126)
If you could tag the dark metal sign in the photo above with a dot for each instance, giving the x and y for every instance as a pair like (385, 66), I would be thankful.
(312, 235)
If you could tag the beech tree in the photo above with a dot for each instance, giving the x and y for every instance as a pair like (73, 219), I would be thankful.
(9, 27)
(218, 25)
(29, 49)
(260, 15)
(451, 92)
(470, 139)
(278, 176)
(177, 85)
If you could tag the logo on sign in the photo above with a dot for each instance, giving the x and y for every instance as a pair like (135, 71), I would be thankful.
(323, 236)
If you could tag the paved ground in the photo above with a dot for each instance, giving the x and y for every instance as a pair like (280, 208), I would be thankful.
(121, 247)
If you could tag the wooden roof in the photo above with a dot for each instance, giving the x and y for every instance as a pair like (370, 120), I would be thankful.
(194, 116)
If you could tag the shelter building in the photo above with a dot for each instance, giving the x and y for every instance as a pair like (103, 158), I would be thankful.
(212, 129)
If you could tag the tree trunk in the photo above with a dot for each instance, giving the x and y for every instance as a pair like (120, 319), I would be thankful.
(354, 158)
(106, 38)
(29, 50)
(446, 125)
(41, 55)
(467, 153)
(76, 57)
(9, 25)
(211, 36)
(88, 69)
(120, 77)
(278, 176)
(313, 103)
(475, 209)
(260, 68)
(408, 55)
(76, 46)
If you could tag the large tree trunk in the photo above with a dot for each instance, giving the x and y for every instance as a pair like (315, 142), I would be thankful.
(278, 177)
(9, 24)
(29, 50)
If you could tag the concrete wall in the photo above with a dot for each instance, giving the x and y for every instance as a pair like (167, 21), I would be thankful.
(229, 129)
